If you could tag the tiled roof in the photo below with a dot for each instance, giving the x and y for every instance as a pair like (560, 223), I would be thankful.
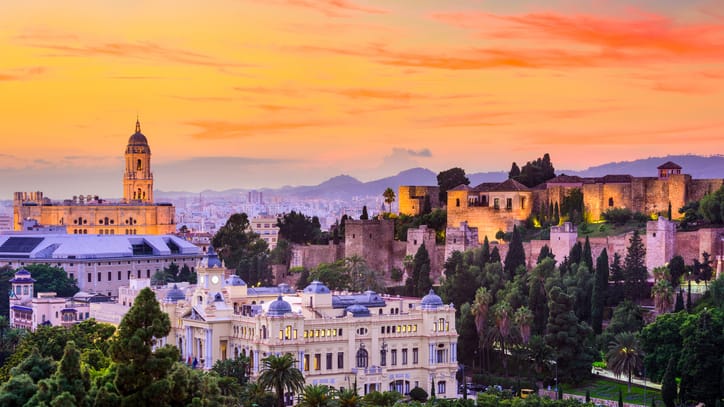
(669, 165)
(510, 185)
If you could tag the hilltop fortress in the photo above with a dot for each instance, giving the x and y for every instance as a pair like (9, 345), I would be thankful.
(493, 207)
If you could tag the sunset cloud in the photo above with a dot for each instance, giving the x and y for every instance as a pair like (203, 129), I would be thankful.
(214, 130)
(331, 8)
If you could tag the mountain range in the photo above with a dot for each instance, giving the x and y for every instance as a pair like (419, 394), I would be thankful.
(346, 187)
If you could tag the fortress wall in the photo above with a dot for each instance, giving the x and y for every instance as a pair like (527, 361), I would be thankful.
(487, 219)
(372, 240)
(700, 187)
(312, 256)
(411, 198)
(710, 242)
(687, 246)
(399, 249)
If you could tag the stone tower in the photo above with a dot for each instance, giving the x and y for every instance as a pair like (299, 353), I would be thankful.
(137, 178)
(563, 238)
(660, 242)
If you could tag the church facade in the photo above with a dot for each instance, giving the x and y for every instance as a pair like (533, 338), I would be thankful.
(136, 213)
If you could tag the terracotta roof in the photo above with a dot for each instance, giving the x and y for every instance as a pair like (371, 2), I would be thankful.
(565, 179)
(669, 165)
(485, 186)
(614, 179)
(461, 187)
(510, 185)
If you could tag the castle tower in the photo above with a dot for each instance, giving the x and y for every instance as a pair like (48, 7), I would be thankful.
(660, 242)
(137, 178)
(21, 287)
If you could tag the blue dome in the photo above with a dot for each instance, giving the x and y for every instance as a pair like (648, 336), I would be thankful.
(175, 294)
(279, 308)
(211, 259)
(431, 300)
(234, 281)
(358, 310)
(316, 287)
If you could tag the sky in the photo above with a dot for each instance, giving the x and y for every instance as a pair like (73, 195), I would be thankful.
(265, 93)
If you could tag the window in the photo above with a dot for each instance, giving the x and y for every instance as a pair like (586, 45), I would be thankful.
(318, 361)
(441, 356)
(340, 360)
(610, 202)
(383, 357)
(362, 357)
(404, 356)
(119, 276)
(415, 356)
(329, 361)
(496, 203)
(393, 357)
(109, 276)
(457, 202)
(522, 202)
(441, 387)
(90, 277)
(306, 363)
(509, 203)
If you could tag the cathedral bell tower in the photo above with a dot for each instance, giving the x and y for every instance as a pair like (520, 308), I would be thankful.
(137, 178)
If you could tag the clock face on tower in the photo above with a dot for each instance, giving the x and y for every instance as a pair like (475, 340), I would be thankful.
(215, 280)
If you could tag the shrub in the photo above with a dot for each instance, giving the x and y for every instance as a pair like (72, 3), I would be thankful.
(418, 394)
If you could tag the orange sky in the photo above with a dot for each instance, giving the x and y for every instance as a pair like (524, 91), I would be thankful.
(295, 91)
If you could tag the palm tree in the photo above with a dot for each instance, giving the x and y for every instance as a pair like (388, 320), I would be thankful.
(349, 398)
(480, 308)
(502, 313)
(624, 355)
(389, 195)
(254, 393)
(279, 374)
(523, 318)
(663, 295)
(317, 396)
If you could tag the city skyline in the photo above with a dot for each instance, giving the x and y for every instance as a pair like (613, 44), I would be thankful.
(292, 92)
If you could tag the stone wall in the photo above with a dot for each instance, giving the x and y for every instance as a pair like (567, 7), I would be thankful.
(460, 239)
(660, 242)
(372, 240)
(687, 246)
(311, 256)
(416, 237)
(700, 187)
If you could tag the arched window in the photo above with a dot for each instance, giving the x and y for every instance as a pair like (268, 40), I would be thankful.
(610, 202)
(457, 202)
(362, 356)
(139, 165)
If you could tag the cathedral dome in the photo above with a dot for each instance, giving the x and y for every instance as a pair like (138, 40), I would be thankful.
(138, 140)
(279, 307)
(431, 300)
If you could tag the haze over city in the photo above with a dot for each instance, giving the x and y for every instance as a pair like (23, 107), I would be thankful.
(267, 93)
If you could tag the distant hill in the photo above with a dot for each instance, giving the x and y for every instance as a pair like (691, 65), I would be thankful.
(346, 187)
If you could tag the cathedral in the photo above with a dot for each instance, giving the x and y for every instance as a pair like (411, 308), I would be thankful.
(136, 213)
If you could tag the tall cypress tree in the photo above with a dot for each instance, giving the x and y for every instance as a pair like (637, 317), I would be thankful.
(587, 256)
(141, 377)
(576, 253)
(516, 254)
(364, 215)
(634, 267)
(421, 272)
(600, 285)
(495, 255)
(545, 253)
(668, 384)
(679, 306)
(485, 253)
(556, 214)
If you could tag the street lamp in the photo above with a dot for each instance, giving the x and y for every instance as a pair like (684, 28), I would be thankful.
(555, 363)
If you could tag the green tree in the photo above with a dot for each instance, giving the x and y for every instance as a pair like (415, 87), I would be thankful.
(243, 250)
(701, 369)
(624, 356)
(279, 374)
(634, 267)
(52, 279)
(537, 294)
(495, 255)
(389, 196)
(299, 228)
(468, 339)
(679, 305)
(711, 206)
(484, 253)
(677, 268)
(233, 368)
(661, 341)
(333, 275)
(572, 206)
(426, 205)
(317, 395)
(17, 391)
(668, 384)
(419, 283)
(516, 254)
(365, 215)
(449, 179)
(537, 171)
(545, 252)
(349, 398)
(303, 280)
(255, 393)
(514, 171)
(141, 377)
(598, 296)
(587, 256)
(663, 295)
(568, 337)
(68, 385)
